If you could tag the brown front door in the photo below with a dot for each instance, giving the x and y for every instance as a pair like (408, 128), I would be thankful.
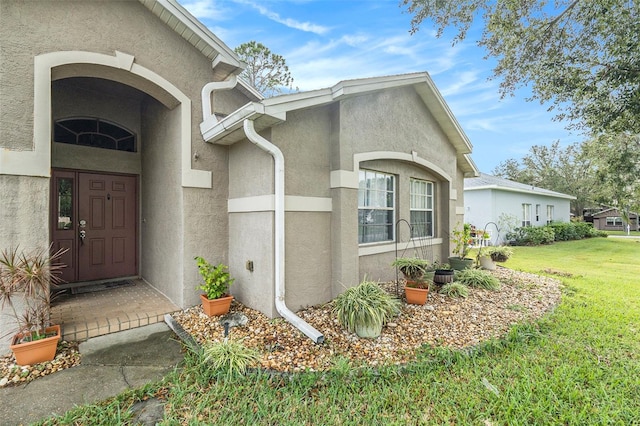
(94, 216)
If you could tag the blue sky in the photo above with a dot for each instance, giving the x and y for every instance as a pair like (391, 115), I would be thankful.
(326, 41)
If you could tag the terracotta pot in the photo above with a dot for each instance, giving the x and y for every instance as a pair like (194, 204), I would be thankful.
(213, 307)
(29, 353)
(416, 296)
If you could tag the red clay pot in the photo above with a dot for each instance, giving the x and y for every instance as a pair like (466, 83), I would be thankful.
(213, 307)
(416, 296)
(29, 353)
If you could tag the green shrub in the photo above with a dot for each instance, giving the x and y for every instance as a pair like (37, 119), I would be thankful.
(230, 357)
(366, 305)
(564, 231)
(454, 289)
(478, 278)
(531, 235)
(216, 278)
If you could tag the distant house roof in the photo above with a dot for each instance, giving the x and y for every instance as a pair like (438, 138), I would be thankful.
(485, 181)
(613, 212)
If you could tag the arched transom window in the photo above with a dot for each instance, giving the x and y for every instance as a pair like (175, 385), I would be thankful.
(94, 132)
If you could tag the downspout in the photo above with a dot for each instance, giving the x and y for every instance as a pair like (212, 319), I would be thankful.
(208, 88)
(278, 159)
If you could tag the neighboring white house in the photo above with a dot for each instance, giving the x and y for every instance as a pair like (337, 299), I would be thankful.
(494, 203)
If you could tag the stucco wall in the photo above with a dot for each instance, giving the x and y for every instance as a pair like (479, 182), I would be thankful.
(23, 217)
(394, 120)
(251, 239)
(304, 142)
(161, 211)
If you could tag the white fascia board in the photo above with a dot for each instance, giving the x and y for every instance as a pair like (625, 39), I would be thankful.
(472, 170)
(212, 129)
(197, 28)
(522, 191)
(358, 86)
(343, 89)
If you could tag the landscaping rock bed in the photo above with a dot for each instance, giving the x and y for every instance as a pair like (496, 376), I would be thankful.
(442, 321)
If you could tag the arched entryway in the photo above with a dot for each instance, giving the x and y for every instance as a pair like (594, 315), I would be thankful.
(117, 138)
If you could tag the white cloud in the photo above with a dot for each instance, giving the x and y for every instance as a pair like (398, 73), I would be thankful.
(206, 9)
(289, 22)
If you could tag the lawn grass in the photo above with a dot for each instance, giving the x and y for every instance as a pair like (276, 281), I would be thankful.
(577, 366)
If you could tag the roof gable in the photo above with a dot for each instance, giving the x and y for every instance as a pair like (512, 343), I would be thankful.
(272, 111)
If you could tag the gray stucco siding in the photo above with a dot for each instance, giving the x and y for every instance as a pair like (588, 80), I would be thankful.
(394, 120)
(304, 142)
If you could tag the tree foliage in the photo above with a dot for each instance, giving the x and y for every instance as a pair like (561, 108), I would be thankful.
(266, 71)
(617, 170)
(567, 170)
(581, 56)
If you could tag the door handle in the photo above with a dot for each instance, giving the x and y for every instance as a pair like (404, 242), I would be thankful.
(83, 234)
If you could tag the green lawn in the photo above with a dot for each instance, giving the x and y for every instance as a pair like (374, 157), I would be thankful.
(578, 366)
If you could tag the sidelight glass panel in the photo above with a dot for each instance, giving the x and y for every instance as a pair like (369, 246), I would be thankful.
(65, 203)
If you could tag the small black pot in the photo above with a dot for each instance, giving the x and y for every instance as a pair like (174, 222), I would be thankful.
(443, 276)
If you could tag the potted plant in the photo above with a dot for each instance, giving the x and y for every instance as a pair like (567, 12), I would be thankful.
(443, 273)
(491, 255)
(216, 282)
(462, 241)
(500, 253)
(365, 308)
(418, 274)
(25, 288)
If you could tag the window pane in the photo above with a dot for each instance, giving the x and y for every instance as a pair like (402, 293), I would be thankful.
(421, 214)
(65, 203)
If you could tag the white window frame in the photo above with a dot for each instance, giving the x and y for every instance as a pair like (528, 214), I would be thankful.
(614, 221)
(421, 195)
(526, 214)
(370, 200)
(538, 207)
(550, 211)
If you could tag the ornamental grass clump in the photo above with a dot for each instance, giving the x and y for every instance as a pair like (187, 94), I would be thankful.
(26, 280)
(454, 289)
(365, 305)
(230, 357)
(478, 278)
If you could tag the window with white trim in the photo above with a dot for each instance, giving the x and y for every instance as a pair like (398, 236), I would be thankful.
(376, 207)
(526, 214)
(421, 208)
(549, 214)
(538, 212)
(614, 221)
